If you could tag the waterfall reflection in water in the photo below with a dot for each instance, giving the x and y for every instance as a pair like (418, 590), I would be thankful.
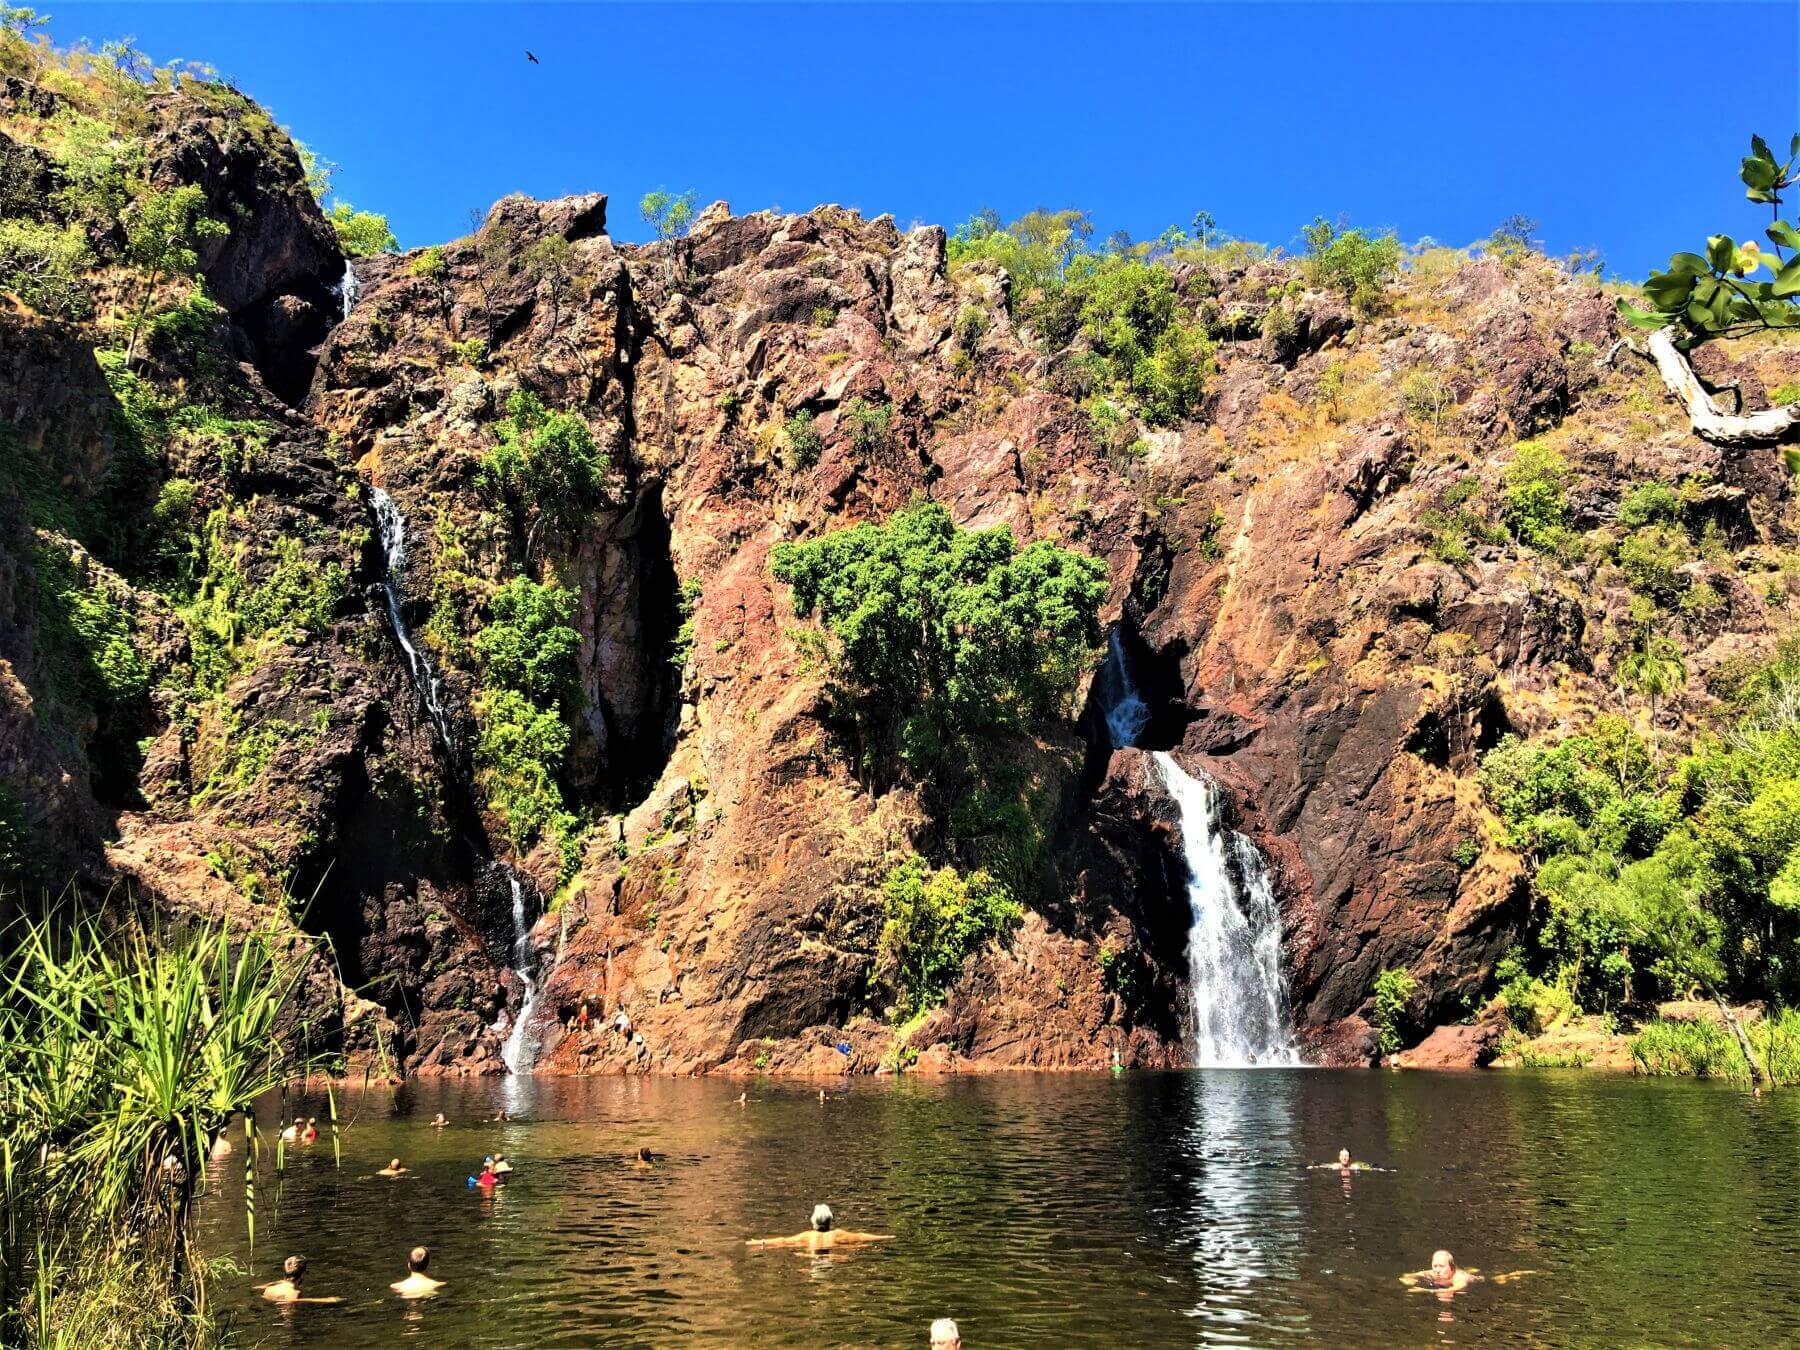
(1061, 1209)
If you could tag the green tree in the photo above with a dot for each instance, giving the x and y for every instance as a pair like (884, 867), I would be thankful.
(1204, 226)
(1353, 262)
(938, 634)
(1534, 495)
(1654, 669)
(162, 238)
(668, 214)
(548, 462)
(361, 234)
(1513, 236)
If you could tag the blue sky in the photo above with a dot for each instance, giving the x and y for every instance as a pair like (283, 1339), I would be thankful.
(1435, 119)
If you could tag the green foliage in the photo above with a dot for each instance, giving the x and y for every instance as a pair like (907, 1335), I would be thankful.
(1533, 1005)
(527, 652)
(116, 1053)
(1356, 264)
(1686, 875)
(1513, 236)
(869, 424)
(527, 644)
(89, 637)
(429, 263)
(46, 267)
(1649, 503)
(1652, 557)
(801, 444)
(1146, 348)
(163, 234)
(471, 351)
(1534, 495)
(1033, 249)
(99, 169)
(546, 462)
(1151, 351)
(939, 634)
(1393, 992)
(1703, 1048)
(668, 214)
(298, 597)
(682, 646)
(933, 921)
(361, 234)
(1713, 295)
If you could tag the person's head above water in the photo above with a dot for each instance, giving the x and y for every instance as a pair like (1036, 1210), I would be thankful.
(1343, 1157)
(821, 1218)
(394, 1164)
(294, 1267)
(1443, 1265)
(945, 1336)
(417, 1259)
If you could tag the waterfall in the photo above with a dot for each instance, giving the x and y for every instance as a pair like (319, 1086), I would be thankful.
(520, 1049)
(1240, 1014)
(346, 290)
(1126, 712)
(392, 527)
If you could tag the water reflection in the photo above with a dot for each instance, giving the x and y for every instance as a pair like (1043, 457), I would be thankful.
(1163, 1209)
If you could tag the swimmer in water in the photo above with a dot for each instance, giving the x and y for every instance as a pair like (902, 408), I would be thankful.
(393, 1169)
(312, 1131)
(643, 1158)
(438, 1121)
(287, 1289)
(821, 1096)
(743, 1097)
(291, 1134)
(1445, 1277)
(502, 1168)
(1343, 1164)
(821, 1236)
(417, 1283)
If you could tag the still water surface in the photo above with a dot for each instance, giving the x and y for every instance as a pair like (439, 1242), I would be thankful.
(1055, 1210)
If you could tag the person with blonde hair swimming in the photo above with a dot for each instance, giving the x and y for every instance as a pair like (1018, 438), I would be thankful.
(1445, 1277)
(417, 1283)
(393, 1169)
(822, 1236)
(945, 1336)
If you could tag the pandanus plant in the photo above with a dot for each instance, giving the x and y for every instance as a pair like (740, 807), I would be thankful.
(122, 1059)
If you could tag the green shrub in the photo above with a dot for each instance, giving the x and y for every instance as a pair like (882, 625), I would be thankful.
(801, 444)
(1652, 557)
(519, 752)
(1532, 1004)
(1648, 504)
(471, 351)
(868, 423)
(1703, 1048)
(362, 233)
(46, 266)
(1784, 395)
(1393, 991)
(1356, 264)
(298, 597)
(429, 263)
(1150, 349)
(933, 920)
(548, 462)
(527, 644)
(1534, 495)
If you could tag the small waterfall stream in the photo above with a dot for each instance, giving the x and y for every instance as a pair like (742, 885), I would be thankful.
(392, 527)
(520, 1047)
(1240, 1012)
(346, 290)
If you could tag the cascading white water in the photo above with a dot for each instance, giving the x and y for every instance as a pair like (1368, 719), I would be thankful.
(1126, 712)
(346, 290)
(392, 527)
(1240, 1015)
(520, 1049)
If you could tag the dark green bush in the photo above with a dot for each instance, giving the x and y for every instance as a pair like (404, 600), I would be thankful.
(933, 921)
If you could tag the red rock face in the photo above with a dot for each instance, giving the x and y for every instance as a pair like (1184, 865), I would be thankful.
(1308, 622)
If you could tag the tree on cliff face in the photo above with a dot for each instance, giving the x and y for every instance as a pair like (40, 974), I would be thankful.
(1719, 294)
(941, 642)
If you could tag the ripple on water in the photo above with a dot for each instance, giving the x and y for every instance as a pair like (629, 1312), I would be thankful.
(1038, 1210)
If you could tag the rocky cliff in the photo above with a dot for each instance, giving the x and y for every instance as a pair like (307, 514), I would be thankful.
(1314, 578)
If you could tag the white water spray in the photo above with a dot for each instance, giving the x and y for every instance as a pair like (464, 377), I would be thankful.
(1240, 1015)
(520, 1047)
(392, 527)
